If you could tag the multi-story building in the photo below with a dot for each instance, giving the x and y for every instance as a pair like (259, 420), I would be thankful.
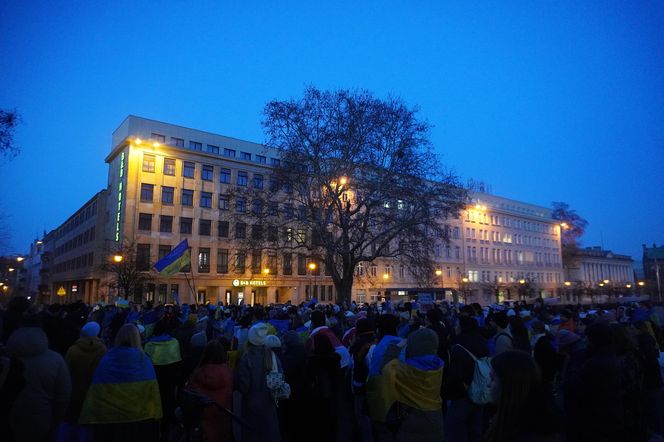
(593, 266)
(653, 269)
(32, 263)
(497, 248)
(73, 254)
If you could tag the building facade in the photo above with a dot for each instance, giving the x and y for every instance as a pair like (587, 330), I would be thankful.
(593, 266)
(653, 269)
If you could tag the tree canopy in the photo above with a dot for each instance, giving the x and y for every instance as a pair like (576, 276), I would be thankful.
(8, 122)
(357, 181)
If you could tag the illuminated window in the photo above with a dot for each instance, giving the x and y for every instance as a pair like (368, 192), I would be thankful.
(148, 163)
(204, 260)
(169, 166)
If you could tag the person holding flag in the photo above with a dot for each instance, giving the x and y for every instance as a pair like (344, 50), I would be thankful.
(176, 260)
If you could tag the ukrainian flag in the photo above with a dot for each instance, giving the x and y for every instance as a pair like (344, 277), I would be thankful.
(172, 263)
(124, 389)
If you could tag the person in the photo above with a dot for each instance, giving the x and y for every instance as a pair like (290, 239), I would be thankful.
(407, 395)
(214, 379)
(525, 411)
(322, 370)
(164, 351)
(503, 339)
(652, 381)
(258, 404)
(364, 338)
(520, 338)
(82, 359)
(40, 407)
(292, 409)
(124, 375)
(463, 422)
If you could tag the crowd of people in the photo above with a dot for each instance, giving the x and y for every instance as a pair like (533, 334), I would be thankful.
(372, 372)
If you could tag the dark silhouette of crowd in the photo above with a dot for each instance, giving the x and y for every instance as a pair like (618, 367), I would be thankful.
(383, 372)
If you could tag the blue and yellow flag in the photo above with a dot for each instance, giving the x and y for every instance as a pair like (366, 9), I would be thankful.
(175, 261)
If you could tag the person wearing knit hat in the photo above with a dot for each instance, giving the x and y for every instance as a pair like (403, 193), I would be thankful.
(257, 334)
(272, 341)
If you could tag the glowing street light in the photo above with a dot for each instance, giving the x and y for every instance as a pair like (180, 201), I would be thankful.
(19, 258)
(118, 258)
(11, 269)
(266, 271)
(567, 283)
(343, 181)
(641, 283)
(464, 280)
(522, 281)
(606, 281)
(628, 286)
(439, 272)
(564, 225)
(312, 266)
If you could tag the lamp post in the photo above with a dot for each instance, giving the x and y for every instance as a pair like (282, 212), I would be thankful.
(439, 274)
(567, 285)
(117, 259)
(464, 280)
(312, 266)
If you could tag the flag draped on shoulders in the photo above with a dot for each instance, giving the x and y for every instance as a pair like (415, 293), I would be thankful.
(176, 260)
(415, 383)
(163, 350)
(124, 389)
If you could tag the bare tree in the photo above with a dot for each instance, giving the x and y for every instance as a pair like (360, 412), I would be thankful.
(8, 122)
(129, 270)
(357, 181)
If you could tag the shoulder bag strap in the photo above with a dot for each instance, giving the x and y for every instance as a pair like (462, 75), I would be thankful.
(467, 351)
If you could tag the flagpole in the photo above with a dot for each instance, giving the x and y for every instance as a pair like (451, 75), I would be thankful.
(193, 280)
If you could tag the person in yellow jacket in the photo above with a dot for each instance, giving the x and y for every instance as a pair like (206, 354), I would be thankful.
(164, 351)
(404, 399)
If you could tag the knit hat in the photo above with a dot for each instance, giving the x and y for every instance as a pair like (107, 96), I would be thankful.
(199, 339)
(566, 337)
(257, 334)
(91, 329)
(422, 342)
(272, 341)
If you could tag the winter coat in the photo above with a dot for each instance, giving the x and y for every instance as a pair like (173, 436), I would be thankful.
(47, 385)
(216, 382)
(82, 359)
(258, 406)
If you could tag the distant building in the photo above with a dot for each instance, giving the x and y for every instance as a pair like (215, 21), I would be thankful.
(593, 265)
(33, 270)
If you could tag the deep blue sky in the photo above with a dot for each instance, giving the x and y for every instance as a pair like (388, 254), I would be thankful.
(546, 101)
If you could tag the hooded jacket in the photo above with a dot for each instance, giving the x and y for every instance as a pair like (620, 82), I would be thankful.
(47, 385)
(82, 359)
(216, 382)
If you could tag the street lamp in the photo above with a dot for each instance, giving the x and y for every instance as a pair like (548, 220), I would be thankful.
(117, 258)
(19, 258)
(11, 269)
(266, 271)
(606, 281)
(312, 266)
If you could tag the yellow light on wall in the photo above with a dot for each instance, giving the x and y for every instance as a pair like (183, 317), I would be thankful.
(138, 141)
(439, 272)
(464, 279)
(266, 271)
(386, 276)
(343, 180)
(156, 144)
(567, 283)
(312, 266)
(522, 281)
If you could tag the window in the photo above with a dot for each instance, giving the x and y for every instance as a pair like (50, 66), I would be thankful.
(222, 261)
(148, 163)
(240, 230)
(223, 202)
(258, 181)
(188, 169)
(167, 195)
(245, 156)
(222, 229)
(158, 138)
(288, 263)
(272, 208)
(165, 224)
(272, 263)
(194, 145)
(206, 199)
(301, 264)
(240, 205)
(274, 184)
(203, 260)
(163, 251)
(256, 258)
(213, 149)
(187, 197)
(301, 236)
(288, 234)
(373, 270)
(240, 262)
(143, 257)
(185, 225)
(207, 172)
(275, 162)
(229, 153)
(204, 227)
(455, 233)
(242, 178)
(169, 166)
(145, 221)
(146, 192)
(225, 176)
(257, 206)
(261, 159)
(272, 233)
(177, 142)
(288, 211)
(257, 231)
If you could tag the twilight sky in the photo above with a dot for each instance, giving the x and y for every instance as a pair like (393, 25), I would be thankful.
(546, 101)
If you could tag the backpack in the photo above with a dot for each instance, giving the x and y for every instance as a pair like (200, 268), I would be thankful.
(479, 390)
